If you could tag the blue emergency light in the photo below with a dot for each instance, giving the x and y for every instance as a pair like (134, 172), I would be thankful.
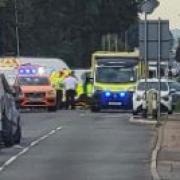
(107, 94)
(34, 71)
(31, 70)
(27, 71)
(122, 94)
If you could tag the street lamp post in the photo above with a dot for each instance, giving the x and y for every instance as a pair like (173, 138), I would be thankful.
(147, 7)
(17, 29)
(145, 56)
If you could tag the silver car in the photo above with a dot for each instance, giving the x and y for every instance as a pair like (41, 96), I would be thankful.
(10, 125)
(175, 88)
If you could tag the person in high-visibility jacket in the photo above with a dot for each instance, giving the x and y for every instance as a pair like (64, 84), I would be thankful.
(54, 75)
(56, 80)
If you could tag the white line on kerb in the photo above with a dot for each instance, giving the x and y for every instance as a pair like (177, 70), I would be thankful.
(26, 149)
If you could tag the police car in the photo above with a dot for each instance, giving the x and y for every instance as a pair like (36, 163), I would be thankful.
(35, 88)
(139, 95)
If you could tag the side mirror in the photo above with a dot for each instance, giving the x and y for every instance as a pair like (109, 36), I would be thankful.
(172, 91)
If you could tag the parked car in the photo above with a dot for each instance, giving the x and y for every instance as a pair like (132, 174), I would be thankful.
(175, 91)
(139, 95)
(10, 123)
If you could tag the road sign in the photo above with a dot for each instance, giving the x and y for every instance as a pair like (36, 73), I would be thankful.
(9, 62)
(153, 39)
(148, 6)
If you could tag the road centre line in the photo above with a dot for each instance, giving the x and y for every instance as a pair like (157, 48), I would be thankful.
(26, 149)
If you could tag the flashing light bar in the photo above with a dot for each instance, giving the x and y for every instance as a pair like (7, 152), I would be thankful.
(31, 71)
(121, 94)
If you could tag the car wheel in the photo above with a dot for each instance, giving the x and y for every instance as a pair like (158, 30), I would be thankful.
(173, 107)
(95, 109)
(7, 134)
(18, 135)
(170, 112)
(144, 113)
(155, 114)
(52, 109)
(135, 113)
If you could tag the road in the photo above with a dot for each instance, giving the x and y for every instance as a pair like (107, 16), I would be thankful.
(102, 146)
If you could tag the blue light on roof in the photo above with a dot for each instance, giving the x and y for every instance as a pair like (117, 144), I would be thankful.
(34, 71)
(21, 71)
(28, 71)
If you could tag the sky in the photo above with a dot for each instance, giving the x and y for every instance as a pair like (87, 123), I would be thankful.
(168, 9)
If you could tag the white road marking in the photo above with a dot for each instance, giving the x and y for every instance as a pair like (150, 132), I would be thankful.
(114, 116)
(26, 149)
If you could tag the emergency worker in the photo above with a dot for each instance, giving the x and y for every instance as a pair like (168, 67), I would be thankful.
(53, 77)
(57, 80)
(88, 87)
(70, 84)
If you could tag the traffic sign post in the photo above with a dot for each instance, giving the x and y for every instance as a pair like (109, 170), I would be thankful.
(147, 7)
(152, 39)
(155, 45)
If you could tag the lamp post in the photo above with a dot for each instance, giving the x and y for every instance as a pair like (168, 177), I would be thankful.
(147, 7)
(17, 29)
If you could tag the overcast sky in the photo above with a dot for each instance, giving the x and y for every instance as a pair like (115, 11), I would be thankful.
(168, 9)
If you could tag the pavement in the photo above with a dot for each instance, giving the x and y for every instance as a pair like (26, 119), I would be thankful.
(168, 160)
(79, 145)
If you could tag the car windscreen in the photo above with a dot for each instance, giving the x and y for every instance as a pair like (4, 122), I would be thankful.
(174, 85)
(34, 81)
(152, 85)
(115, 74)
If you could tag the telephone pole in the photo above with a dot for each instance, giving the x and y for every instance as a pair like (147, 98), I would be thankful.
(17, 29)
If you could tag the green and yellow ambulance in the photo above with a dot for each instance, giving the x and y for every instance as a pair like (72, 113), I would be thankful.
(114, 76)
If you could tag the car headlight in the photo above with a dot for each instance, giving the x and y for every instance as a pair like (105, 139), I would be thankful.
(132, 88)
(139, 98)
(98, 88)
(21, 95)
(51, 93)
(166, 98)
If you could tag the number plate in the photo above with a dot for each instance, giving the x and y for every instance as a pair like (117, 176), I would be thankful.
(115, 103)
(35, 99)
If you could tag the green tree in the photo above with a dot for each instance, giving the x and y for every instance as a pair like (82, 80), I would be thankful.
(68, 29)
(3, 3)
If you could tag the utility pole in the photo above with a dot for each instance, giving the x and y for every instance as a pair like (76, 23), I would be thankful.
(145, 55)
(159, 72)
(17, 29)
(147, 7)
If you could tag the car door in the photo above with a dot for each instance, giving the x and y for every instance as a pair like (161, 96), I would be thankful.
(2, 100)
(10, 110)
(176, 95)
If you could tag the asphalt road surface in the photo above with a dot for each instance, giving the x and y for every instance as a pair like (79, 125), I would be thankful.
(78, 145)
